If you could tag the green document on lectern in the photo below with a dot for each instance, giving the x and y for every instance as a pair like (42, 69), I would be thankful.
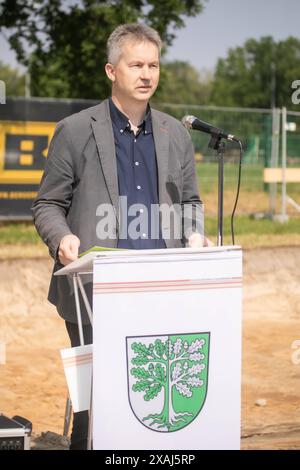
(99, 248)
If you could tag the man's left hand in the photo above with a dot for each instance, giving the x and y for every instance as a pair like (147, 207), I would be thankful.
(196, 240)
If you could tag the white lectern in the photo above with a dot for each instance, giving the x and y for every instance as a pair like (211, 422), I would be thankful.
(166, 347)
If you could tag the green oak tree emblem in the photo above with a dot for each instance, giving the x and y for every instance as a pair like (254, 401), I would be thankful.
(167, 379)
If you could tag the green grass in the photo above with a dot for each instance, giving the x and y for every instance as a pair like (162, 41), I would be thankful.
(25, 233)
(18, 234)
(252, 199)
(251, 178)
(244, 225)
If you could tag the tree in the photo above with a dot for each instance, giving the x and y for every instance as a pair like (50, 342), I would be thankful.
(259, 74)
(64, 46)
(177, 365)
(13, 79)
(181, 82)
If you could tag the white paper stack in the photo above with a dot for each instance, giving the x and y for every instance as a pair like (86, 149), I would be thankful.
(77, 364)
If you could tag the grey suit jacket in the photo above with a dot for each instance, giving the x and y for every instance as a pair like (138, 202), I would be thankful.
(81, 173)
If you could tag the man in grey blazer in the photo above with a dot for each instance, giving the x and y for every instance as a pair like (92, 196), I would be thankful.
(118, 149)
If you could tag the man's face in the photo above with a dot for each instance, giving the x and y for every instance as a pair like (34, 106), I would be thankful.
(136, 75)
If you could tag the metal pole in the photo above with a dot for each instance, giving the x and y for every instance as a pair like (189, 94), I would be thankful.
(78, 311)
(85, 300)
(221, 149)
(27, 85)
(274, 158)
(67, 419)
(76, 282)
(283, 189)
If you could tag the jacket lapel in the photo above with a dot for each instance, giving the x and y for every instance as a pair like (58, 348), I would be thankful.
(161, 140)
(104, 138)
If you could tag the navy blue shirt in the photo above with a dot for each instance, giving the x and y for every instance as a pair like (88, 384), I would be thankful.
(138, 183)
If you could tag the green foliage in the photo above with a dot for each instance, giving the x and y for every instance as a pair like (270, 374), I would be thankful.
(142, 354)
(13, 79)
(153, 391)
(139, 372)
(141, 386)
(149, 379)
(159, 373)
(181, 82)
(140, 360)
(68, 42)
(259, 74)
(159, 348)
(139, 348)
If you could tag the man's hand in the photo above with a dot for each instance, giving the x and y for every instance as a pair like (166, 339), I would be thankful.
(198, 241)
(68, 249)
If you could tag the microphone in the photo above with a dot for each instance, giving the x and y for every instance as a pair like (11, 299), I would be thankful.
(191, 122)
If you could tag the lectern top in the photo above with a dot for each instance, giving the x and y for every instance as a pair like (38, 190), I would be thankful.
(84, 265)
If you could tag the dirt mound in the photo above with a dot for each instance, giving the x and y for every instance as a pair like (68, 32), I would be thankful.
(49, 441)
(32, 380)
(33, 383)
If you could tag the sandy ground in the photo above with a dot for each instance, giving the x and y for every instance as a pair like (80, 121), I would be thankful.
(32, 382)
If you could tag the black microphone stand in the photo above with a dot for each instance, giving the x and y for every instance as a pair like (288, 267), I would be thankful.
(217, 144)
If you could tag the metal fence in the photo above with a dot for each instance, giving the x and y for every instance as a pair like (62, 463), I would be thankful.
(26, 127)
(265, 139)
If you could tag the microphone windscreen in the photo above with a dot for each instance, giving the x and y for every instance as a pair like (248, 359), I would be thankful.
(187, 121)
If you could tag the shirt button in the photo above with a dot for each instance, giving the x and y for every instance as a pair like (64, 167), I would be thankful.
(141, 211)
(136, 163)
(134, 140)
(144, 235)
(138, 187)
(145, 132)
(121, 130)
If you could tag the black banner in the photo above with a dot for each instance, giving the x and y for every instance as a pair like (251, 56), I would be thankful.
(26, 128)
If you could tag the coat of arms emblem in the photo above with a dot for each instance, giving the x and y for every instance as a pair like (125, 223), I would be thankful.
(167, 379)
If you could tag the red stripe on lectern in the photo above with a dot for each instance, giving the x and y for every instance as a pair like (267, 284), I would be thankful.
(77, 364)
(166, 285)
(166, 289)
(77, 358)
(67, 363)
(80, 360)
(170, 281)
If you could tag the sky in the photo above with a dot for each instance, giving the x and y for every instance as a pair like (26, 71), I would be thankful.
(226, 24)
(222, 25)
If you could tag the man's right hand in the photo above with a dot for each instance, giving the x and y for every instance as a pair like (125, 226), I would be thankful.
(68, 249)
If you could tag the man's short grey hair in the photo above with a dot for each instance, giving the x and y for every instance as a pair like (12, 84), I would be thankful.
(131, 31)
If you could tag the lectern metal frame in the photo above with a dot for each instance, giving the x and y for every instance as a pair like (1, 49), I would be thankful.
(78, 287)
